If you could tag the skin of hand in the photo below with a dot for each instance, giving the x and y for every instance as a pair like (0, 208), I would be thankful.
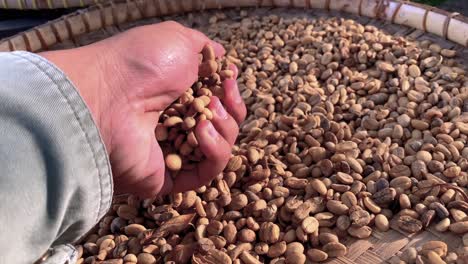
(127, 80)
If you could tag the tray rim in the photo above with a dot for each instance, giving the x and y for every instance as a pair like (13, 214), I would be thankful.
(452, 27)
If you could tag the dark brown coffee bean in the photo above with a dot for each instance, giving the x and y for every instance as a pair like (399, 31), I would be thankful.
(461, 205)
(409, 224)
(340, 187)
(384, 196)
(381, 184)
(440, 210)
(342, 166)
(400, 170)
(427, 218)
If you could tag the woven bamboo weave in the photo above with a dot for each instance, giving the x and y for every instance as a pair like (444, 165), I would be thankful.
(397, 18)
(47, 4)
(450, 26)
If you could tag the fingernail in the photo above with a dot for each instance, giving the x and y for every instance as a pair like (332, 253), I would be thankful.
(212, 131)
(219, 109)
(233, 68)
(238, 98)
(231, 86)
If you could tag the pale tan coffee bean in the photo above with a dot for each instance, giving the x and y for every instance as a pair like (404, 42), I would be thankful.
(134, 229)
(146, 258)
(371, 205)
(438, 247)
(458, 215)
(335, 249)
(172, 121)
(326, 238)
(424, 156)
(337, 207)
(319, 186)
(434, 258)
(443, 225)
(344, 178)
(316, 255)
(459, 227)
(385, 66)
(404, 200)
(381, 222)
(234, 163)
(127, 212)
(189, 123)
(295, 258)
(360, 232)
(409, 255)
(207, 68)
(293, 67)
(310, 225)
(414, 71)
(198, 105)
(277, 249)
(349, 199)
(208, 53)
(448, 53)
(173, 162)
(130, 258)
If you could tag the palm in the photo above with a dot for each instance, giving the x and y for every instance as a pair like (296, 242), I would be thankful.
(133, 162)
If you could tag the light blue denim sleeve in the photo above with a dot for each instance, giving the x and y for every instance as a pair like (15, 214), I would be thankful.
(55, 177)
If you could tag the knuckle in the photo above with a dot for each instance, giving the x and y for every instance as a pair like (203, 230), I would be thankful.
(172, 23)
(214, 100)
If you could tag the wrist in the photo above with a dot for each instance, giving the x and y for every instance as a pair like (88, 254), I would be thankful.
(83, 68)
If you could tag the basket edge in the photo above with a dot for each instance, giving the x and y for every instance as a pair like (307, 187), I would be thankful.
(451, 26)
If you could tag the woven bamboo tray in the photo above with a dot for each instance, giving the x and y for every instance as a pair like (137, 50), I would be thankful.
(47, 4)
(397, 18)
(419, 19)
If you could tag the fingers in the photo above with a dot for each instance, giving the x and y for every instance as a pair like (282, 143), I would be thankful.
(233, 100)
(233, 68)
(197, 39)
(223, 121)
(217, 152)
(200, 40)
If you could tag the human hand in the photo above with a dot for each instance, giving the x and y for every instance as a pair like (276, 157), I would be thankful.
(127, 80)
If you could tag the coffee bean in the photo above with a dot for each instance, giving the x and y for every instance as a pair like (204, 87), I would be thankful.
(384, 196)
(409, 224)
(335, 249)
(440, 210)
